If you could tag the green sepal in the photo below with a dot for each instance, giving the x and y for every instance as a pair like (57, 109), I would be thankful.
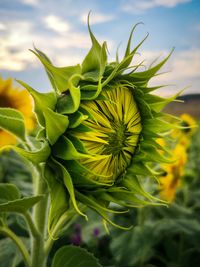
(13, 121)
(142, 169)
(71, 256)
(132, 183)
(76, 119)
(148, 153)
(77, 144)
(126, 198)
(92, 94)
(157, 125)
(157, 103)
(129, 55)
(59, 198)
(93, 65)
(67, 180)
(69, 103)
(60, 76)
(35, 156)
(148, 74)
(79, 173)
(102, 211)
(42, 101)
(65, 149)
(56, 124)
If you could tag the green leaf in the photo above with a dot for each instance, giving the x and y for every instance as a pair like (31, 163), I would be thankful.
(8, 192)
(59, 198)
(10, 255)
(59, 76)
(71, 256)
(20, 205)
(42, 101)
(65, 149)
(36, 156)
(13, 121)
(56, 125)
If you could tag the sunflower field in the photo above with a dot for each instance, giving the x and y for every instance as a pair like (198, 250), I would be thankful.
(97, 172)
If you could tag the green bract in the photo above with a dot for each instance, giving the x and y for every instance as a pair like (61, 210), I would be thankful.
(98, 131)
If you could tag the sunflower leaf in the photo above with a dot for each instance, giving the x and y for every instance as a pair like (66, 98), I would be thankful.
(42, 101)
(36, 156)
(56, 125)
(59, 76)
(8, 192)
(13, 121)
(20, 205)
(70, 256)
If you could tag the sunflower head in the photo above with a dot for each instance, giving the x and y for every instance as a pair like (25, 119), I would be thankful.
(18, 99)
(99, 127)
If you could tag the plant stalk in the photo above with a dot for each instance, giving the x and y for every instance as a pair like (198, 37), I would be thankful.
(38, 257)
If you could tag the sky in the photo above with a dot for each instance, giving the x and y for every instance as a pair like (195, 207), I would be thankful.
(58, 28)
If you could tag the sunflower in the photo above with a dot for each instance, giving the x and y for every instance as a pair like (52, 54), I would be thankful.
(98, 133)
(19, 99)
(187, 129)
(171, 179)
(115, 134)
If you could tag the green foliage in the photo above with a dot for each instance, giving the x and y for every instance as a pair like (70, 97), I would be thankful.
(12, 121)
(70, 256)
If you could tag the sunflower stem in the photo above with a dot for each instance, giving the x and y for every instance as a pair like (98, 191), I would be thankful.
(38, 257)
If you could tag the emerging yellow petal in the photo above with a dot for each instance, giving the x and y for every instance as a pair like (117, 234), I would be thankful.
(114, 135)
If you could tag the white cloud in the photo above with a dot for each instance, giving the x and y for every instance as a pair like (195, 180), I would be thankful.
(31, 2)
(64, 49)
(139, 6)
(56, 24)
(96, 18)
(2, 27)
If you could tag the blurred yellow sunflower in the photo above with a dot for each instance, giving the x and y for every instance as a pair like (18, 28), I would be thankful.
(171, 179)
(19, 99)
(183, 135)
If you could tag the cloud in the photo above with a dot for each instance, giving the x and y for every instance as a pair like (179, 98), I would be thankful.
(66, 47)
(56, 24)
(139, 6)
(31, 2)
(2, 27)
(96, 18)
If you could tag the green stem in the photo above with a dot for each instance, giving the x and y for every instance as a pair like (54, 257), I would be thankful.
(33, 230)
(40, 215)
(19, 243)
